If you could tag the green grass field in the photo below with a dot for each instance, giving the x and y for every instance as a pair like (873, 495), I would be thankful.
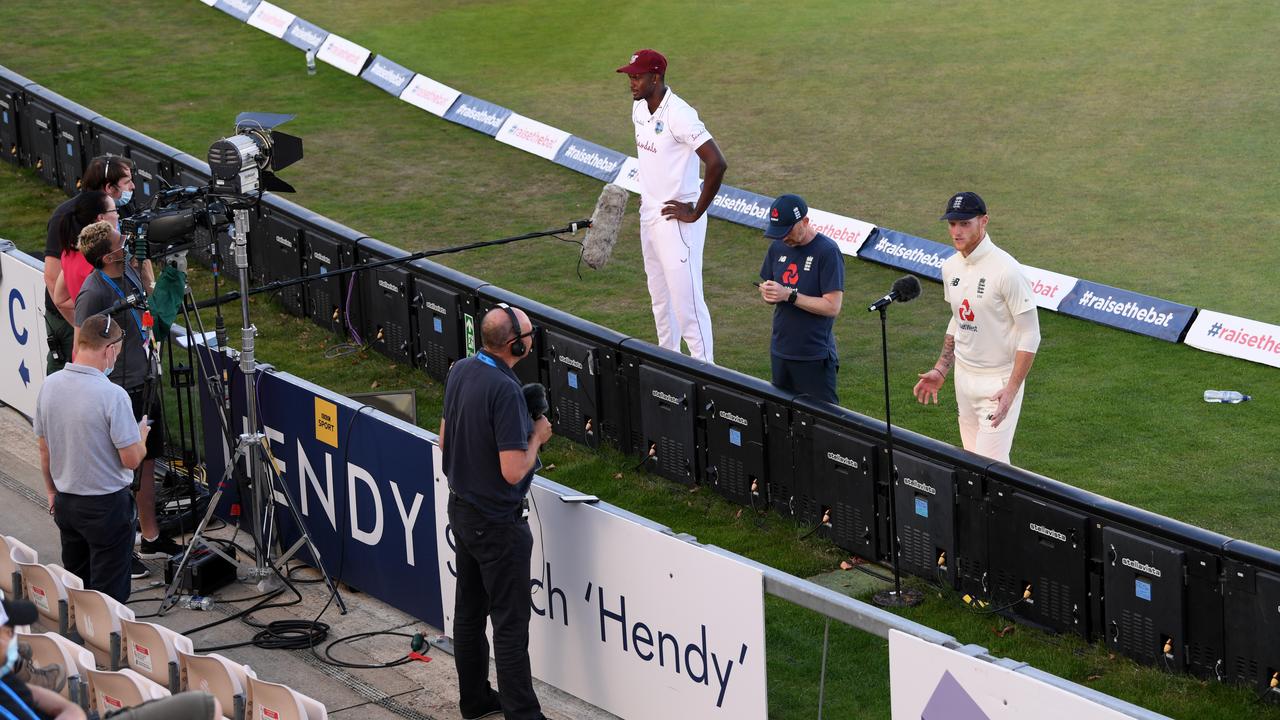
(1130, 144)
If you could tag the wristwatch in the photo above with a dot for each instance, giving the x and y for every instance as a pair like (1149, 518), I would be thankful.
(792, 297)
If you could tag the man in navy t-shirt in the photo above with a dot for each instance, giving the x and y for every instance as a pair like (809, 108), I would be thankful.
(803, 274)
(490, 446)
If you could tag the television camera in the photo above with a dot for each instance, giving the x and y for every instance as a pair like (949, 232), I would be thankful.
(241, 166)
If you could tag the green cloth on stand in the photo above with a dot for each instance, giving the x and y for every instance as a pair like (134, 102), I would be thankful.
(166, 299)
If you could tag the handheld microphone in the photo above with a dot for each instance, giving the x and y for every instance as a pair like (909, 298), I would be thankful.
(535, 396)
(606, 221)
(905, 289)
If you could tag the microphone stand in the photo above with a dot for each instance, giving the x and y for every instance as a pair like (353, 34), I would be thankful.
(897, 597)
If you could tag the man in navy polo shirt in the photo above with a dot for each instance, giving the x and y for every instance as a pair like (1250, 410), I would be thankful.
(803, 275)
(490, 454)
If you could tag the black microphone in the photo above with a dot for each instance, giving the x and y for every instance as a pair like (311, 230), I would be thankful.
(905, 289)
(535, 396)
(132, 300)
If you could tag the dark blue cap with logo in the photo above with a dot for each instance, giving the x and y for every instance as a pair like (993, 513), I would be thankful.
(964, 206)
(785, 212)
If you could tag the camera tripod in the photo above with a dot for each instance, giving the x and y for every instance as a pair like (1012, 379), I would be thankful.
(250, 448)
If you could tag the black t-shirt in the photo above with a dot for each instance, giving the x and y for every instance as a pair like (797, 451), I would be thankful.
(15, 697)
(52, 244)
(814, 269)
(484, 414)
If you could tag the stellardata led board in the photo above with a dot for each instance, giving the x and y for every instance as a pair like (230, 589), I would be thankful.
(736, 463)
(446, 325)
(384, 292)
(1038, 554)
(924, 495)
(329, 246)
(573, 389)
(668, 419)
(277, 250)
(843, 486)
(1145, 602)
(1251, 604)
(11, 96)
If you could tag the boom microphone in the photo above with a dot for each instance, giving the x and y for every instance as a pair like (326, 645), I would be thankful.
(905, 289)
(535, 396)
(606, 221)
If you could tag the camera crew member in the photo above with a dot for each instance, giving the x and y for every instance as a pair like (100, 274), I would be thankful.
(112, 281)
(89, 445)
(490, 454)
(113, 176)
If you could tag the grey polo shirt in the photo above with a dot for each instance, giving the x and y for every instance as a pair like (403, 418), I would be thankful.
(86, 420)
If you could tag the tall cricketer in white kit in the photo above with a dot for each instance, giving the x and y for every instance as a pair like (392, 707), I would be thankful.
(670, 142)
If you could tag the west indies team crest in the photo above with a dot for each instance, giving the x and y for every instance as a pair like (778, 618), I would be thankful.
(657, 129)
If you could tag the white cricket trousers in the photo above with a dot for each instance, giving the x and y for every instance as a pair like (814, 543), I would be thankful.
(974, 389)
(673, 261)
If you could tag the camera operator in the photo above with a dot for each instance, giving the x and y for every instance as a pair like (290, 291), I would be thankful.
(490, 455)
(113, 176)
(136, 369)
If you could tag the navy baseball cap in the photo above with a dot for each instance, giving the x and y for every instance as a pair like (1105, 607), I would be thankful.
(784, 213)
(17, 612)
(645, 61)
(964, 206)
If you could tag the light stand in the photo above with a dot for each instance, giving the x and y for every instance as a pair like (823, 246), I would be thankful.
(262, 471)
(897, 597)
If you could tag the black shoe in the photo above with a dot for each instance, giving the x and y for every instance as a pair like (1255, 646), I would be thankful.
(492, 708)
(137, 570)
(161, 547)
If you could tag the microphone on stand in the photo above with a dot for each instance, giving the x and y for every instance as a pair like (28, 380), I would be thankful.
(606, 221)
(905, 289)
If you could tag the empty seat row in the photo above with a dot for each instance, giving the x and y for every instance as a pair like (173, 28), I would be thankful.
(125, 661)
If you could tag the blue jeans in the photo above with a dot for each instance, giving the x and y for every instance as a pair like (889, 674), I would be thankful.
(815, 378)
(493, 582)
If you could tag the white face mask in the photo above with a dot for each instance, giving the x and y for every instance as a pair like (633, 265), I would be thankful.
(11, 656)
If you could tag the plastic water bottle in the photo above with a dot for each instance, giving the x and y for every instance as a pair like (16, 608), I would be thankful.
(196, 602)
(311, 61)
(1225, 396)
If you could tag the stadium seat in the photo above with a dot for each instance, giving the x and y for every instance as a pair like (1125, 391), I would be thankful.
(226, 680)
(110, 691)
(272, 700)
(52, 649)
(46, 586)
(97, 619)
(152, 651)
(12, 552)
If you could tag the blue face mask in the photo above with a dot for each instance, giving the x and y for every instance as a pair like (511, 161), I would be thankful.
(124, 198)
(11, 656)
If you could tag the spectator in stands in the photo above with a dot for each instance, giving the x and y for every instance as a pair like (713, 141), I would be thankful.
(490, 455)
(19, 700)
(89, 207)
(136, 371)
(109, 174)
(89, 445)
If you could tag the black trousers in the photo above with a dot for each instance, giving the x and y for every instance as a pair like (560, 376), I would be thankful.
(493, 582)
(816, 378)
(97, 539)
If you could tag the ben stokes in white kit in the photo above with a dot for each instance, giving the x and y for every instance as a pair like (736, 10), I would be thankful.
(670, 142)
(993, 334)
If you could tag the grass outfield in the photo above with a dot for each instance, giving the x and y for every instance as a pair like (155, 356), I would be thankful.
(1127, 145)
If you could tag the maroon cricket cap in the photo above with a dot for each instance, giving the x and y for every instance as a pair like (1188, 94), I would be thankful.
(645, 61)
